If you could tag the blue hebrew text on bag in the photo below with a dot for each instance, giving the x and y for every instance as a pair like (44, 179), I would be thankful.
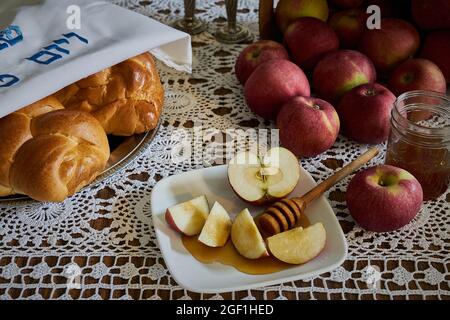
(56, 49)
(10, 36)
(7, 80)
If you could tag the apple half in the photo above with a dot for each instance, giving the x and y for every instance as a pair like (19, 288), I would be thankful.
(246, 237)
(263, 180)
(217, 227)
(188, 217)
(298, 245)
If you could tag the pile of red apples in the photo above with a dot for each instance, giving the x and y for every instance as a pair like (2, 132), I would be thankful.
(324, 71)
(320, 71)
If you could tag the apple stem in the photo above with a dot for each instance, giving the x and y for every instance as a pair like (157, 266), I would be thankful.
(371, 93)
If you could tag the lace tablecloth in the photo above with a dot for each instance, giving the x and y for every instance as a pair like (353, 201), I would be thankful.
(100, 244)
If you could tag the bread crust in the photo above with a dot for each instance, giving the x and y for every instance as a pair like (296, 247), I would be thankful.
(126, 98)
(15, 131)
(52, 148)
(48, 152)
(68, 150)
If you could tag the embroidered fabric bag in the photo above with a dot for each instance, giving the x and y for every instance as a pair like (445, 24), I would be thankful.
(46, 45)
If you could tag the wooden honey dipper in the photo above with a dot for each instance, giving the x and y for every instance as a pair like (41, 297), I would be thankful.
(284, 214)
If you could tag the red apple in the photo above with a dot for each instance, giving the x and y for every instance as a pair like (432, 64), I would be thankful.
(431, 14)
(349, 26)
(365, 112)
(308, 126)
(272, 84)
(437, 49)
(384, 198)
(396, 41)
(309, 39)
(417, 74)
(255, 54)
(341, 71)
(289, 10)
(347, 4)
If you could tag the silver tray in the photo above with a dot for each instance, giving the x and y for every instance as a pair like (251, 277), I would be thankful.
(124, 150)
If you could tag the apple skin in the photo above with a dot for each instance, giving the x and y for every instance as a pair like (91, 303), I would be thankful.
(341, 71)
(365, 112)
(384, 208)
(437, 49)
(417, 74)
(431, 14)
(255, 54)
(170, 222)
(396, 41)
(289, 10)
(308, 126)
(349, 26)
(272, 84)
(347, 4)
(308, 40)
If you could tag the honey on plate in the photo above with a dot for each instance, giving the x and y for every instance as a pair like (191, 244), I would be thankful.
(419, 141)
(228, 255)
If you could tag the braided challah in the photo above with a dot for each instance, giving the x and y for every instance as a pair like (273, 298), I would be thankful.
(48, 152)
(126, 98)
(14, 131)
(56, 146)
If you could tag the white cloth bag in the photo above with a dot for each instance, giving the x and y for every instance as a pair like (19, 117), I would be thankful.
(42, 50)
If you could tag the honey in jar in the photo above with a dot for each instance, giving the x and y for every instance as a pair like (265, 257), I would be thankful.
(419, 141)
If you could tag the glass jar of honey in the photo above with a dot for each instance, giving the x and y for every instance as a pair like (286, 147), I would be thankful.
(419, 141)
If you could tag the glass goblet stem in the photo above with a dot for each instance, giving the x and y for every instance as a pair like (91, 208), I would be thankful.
(189, 10)
(231, 7)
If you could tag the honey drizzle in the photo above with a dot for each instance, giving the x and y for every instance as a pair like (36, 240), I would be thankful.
(228, 255)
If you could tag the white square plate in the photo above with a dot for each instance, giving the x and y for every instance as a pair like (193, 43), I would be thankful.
(215, 277)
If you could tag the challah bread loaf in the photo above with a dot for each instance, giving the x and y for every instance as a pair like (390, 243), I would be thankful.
(68, 149)
(126, 98)
(15, 131)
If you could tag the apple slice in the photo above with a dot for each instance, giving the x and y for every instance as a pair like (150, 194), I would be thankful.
(298, 245)
(264, 180)
(217, 227)
(246, 237)
(188, 217)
